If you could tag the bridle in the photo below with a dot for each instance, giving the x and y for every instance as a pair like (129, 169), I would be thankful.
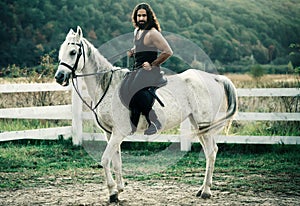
(80, 52)
(75, 86)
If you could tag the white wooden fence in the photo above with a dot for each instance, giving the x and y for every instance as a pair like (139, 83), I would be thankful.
(74, 113)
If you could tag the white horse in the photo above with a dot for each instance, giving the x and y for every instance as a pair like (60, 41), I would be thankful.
(208, 100)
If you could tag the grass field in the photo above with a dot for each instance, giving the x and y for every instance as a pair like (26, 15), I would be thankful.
(27, 164)
(242, 170)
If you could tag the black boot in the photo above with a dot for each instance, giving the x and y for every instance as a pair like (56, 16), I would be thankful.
(154, 123)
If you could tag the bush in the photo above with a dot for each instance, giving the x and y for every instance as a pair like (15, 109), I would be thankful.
(257, 71)
(45, 70)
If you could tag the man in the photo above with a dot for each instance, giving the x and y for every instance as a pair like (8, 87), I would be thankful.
(148, 41)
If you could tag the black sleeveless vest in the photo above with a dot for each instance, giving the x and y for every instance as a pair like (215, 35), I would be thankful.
(143, 53)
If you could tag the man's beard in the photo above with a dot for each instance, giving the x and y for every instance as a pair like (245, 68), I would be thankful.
(142, 25)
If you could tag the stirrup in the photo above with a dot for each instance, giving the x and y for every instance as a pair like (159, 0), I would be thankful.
(153, 128)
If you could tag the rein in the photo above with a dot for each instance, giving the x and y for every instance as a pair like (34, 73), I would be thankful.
(93, 109)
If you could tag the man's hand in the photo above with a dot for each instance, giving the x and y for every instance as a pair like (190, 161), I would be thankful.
(147, 66)
(130, 52)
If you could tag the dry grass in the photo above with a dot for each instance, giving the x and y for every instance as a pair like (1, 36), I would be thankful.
(246, 104)
(267, 81)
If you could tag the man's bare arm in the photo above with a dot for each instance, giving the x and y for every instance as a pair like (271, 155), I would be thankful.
(156, 39)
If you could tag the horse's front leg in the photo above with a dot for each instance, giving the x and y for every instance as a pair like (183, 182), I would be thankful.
(112, 152)
(210, 150)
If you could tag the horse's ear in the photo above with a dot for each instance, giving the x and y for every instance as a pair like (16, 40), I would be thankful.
(71, 32)
(79, 33)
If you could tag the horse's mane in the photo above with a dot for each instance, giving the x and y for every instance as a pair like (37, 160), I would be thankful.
(100, 62)
(97, 60)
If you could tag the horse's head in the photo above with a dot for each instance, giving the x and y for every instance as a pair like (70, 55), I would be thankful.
(71, 57)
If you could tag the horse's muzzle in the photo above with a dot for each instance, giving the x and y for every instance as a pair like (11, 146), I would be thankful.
(62, 78)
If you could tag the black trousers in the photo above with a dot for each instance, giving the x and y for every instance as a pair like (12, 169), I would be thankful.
(141, 103)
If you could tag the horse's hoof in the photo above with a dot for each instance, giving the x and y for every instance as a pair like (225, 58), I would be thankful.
(199, 193)
(113, 198)
(205, 196)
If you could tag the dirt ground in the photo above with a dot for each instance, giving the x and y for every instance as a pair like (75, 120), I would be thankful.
(138, 193)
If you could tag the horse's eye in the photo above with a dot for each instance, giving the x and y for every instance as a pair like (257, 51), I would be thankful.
(73, 52)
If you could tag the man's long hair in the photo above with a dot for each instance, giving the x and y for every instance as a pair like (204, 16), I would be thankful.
(151, 17)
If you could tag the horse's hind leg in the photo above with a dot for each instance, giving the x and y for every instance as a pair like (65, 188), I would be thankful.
(117, 166)
(210, 150)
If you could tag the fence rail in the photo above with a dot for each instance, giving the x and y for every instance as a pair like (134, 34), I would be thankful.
(71, 112)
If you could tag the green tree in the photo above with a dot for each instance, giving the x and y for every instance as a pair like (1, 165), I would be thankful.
(228, 31)
(295, 54)
(260, 53)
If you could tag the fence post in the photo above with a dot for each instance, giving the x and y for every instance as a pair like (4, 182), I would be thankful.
(77, 114)
(185, 135)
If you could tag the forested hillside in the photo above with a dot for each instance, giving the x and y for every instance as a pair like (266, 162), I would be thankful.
(227, 30)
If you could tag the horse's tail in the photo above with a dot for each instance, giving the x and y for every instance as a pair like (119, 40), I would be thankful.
(231, 94)
(232, 104)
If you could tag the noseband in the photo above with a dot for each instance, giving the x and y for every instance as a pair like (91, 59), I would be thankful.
(80, 52)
